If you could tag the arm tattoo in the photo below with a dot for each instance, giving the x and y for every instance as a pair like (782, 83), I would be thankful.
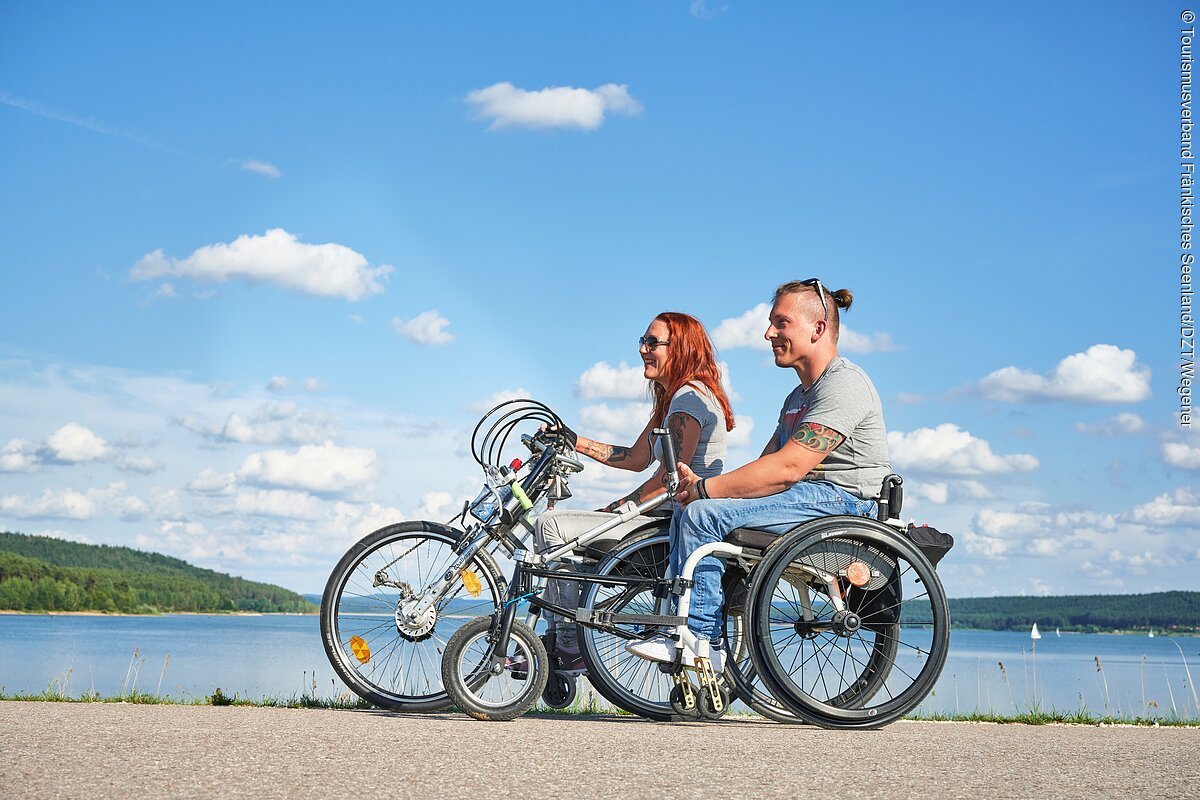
(675, 424)
(817, 438)
(609, 454)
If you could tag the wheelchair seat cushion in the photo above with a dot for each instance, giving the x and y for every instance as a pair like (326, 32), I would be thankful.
(751, 537)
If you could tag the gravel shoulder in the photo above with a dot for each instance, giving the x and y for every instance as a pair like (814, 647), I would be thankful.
(101, 750)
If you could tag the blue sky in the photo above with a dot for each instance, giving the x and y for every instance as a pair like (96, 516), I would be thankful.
(264, 265)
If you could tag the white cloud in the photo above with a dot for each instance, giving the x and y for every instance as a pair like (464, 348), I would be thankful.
(262, 168)
(74, 444)
(947, 450)
(20, 455)
(602, 380)
(428, 328)
(615, 425)
(270, 423)
(278, 503)
(850, 341)
(910, 399)
(488, 403)
(1103, 373)
(72, 504)
(278, 384)
(700, 9)
(316, 468)
(211, 482)
(70, 444)
(193, 541)
(942, 492)
(139, 465)
(748, 331)
(276, 257)
(1122, 424)
(436, 506)
(743, 429)
(315, 385)
(1181, 454)
(553, 107)
(744, 331)
(1178, 507)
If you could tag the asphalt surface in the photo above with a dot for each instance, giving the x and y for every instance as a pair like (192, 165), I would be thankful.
(102, 750)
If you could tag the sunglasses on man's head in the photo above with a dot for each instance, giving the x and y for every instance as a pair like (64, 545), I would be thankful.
(651, 342)
(820, 293)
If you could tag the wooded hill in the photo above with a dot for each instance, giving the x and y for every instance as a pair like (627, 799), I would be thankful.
(38, 573)
(1095, 612)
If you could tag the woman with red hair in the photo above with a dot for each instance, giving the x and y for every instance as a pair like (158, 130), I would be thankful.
(680, 363)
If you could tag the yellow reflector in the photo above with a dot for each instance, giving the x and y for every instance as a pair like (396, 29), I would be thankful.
(360, 648)
(471, 581)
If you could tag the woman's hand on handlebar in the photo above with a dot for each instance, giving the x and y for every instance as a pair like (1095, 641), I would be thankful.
(569, 437)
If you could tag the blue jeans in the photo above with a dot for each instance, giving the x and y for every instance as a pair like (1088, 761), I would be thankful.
(704, 521)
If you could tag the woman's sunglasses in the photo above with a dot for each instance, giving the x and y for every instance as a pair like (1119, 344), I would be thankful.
(651, 342)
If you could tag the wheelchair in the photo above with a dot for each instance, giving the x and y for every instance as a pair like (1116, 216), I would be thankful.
(842, 622)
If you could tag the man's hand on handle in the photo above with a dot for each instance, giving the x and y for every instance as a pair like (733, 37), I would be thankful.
(687, 485)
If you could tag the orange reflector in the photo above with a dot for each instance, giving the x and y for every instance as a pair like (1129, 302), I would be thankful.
(360, 648)
(858, 573)
(471, 581)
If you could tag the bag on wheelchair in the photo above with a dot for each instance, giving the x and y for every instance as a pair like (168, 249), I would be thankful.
(880, 608)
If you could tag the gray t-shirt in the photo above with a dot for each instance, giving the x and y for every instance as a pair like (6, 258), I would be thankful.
(695, 400)
(844, 399)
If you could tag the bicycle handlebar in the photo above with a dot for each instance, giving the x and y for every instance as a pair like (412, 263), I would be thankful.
(669, 461)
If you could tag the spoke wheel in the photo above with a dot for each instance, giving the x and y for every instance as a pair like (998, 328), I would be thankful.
(742, 677)
(386, 659)
(625, 680)
(858, 670)
(491, 686)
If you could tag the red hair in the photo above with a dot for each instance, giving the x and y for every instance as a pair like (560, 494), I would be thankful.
(692, 360)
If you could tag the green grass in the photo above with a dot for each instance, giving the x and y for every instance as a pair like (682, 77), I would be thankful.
(305, 700)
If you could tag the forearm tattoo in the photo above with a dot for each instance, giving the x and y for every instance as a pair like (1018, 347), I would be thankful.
(817, 438)
(607, 453)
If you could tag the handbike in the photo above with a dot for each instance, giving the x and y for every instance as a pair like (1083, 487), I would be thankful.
(393, 599)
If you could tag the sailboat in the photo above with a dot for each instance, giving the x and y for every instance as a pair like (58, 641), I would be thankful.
(1034, 634)
(1057, 633)
(1151, 634)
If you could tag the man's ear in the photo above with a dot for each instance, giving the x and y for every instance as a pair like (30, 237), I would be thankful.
(819, 328)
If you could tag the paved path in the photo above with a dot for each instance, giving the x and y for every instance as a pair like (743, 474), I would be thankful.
(95, 751)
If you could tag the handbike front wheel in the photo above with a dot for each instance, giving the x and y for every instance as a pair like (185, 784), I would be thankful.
(492, 686)
(867, 665)
(384, 657)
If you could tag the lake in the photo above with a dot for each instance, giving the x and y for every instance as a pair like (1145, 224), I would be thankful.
(280, 656)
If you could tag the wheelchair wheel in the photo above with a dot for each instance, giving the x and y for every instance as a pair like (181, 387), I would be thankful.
(625, 680)
(741, 676)
(862, 667)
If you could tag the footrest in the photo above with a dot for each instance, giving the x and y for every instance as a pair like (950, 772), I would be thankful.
(587, 615)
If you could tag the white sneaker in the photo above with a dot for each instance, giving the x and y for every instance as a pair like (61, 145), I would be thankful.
(662, 648)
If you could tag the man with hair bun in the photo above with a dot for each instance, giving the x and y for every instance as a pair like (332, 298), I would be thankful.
(828, 456)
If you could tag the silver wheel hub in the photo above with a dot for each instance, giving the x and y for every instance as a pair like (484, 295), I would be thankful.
(412, 625)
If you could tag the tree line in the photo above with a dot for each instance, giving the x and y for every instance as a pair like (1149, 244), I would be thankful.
(1102, 612)
(38, 573)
